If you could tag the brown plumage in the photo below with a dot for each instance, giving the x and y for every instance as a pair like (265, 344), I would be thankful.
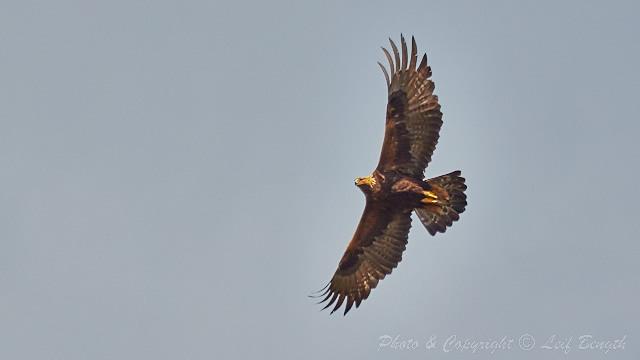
(397, 185)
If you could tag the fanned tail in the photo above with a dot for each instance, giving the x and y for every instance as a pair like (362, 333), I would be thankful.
(443, 203)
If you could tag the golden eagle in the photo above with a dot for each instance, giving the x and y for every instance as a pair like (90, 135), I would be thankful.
(397, 185)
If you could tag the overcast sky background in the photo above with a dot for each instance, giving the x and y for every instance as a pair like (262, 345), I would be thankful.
(176, 177)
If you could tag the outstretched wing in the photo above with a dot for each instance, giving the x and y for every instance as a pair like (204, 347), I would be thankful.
(375, 250)
(413, 114)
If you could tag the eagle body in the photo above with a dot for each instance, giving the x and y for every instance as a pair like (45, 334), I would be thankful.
(393, 189)
(397, 187)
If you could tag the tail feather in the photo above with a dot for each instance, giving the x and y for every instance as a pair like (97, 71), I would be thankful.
(445, 202)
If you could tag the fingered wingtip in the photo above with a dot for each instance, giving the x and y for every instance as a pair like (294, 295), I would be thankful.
(333, 299)
(320, 293)
(399, 57)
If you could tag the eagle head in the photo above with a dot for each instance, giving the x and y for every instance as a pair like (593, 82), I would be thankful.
(366, 183)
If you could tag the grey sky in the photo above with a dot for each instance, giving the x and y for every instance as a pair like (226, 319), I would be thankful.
(176, 177)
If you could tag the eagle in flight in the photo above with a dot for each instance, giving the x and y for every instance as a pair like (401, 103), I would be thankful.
(397, 186)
